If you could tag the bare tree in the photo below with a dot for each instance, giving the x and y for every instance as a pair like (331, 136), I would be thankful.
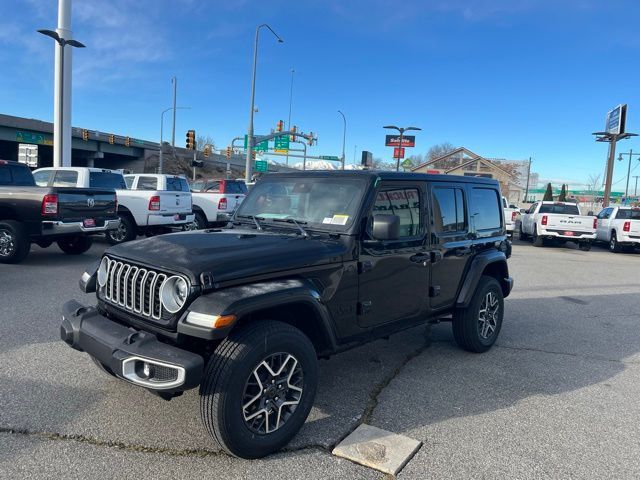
(439, 150)
(593, 188)
(203, 140)
(380, 164)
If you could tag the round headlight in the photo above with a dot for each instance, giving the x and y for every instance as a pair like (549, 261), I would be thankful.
(102, 271)
(174, 293)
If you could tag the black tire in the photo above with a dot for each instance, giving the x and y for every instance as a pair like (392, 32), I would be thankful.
(614, 246)
(75, 245)
(468, 329)
(231, 373)
(14, 242)
(199, 222)
(103, 368)
(585, 246)
(537, 240)
(125, 232)
(44, 243)
(523, 236)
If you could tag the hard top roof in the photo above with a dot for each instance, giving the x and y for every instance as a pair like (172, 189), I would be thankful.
(384, 175)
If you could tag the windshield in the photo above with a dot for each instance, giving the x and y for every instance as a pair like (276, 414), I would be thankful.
(560, 208)
(326, 203)
(628, 214)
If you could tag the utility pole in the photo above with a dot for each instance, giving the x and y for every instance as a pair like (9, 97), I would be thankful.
(635, 190)
(344, 136)
(174, 80)
(290, 105)
(526, 193)
(631, 154)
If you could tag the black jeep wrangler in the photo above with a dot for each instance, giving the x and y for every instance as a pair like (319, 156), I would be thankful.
(312, 263)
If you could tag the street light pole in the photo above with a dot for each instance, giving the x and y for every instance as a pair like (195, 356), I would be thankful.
(62, 42)
(344, 136)
(174, 80)
(290, 105)
(526, 192)
(401, 130)
(249, 162)
(631, 154)
(160, 158)
(635, 190)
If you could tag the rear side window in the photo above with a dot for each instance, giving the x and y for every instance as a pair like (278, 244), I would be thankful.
(212, 187)
(106, 180)
(42, 178)
(404, 203)
(486, 208)
(147, 183)
(559, 208)
(448, 210)
(628, 214)
(65, 178)
(237, 188)
(129, 181)
(16, 175)
(177, 184)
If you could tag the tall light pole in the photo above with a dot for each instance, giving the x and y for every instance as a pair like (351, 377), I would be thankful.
(635, 191)
(160, 159)
(344, 136)
(526, 192)
(631, 154)
(401, 130)
(174, 80)
(62, 122)
(290, 105)
(249, 163)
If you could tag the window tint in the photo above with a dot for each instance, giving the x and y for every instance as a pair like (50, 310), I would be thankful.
(22, 176)
(106, 180)
(448, 210)
(197, 186)
(604, 214)
(404, 203)
(42, 178)
(129, 181)
(177, 184)
(486, 209)
(628, 214)
(5, 176)
(560, 208)
(236, 188)
(212, 187)
(147, 183)
(65, 178)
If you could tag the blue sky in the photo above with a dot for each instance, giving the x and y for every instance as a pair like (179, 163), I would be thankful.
(505, 78)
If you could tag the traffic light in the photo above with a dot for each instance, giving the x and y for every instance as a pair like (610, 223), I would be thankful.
(197, 163)
(310, 138)
(253, 154)
(191, 139)
(229, 152)
(112, 139)
(85, 134)
(127, 142)
(280, 126)
(207, 150)
(292, 138)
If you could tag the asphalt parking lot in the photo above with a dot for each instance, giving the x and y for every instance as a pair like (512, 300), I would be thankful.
(557, 397)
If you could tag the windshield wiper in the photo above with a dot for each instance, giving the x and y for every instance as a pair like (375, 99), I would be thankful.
(254, 218)
(297, 223)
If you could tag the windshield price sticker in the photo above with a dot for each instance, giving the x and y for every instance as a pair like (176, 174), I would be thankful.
(336, 220)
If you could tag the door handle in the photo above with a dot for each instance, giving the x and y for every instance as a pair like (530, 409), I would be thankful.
(423, 258)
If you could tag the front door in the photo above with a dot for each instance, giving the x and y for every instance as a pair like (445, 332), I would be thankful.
(394, 275)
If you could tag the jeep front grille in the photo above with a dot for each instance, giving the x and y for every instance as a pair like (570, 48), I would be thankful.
(134, 289)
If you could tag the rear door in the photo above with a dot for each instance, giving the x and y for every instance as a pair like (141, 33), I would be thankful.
(449, 241)
(604, 220)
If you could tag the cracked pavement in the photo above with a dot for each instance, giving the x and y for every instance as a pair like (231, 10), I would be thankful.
(557, 397)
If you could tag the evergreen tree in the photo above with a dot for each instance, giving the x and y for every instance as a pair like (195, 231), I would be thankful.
(563, 194)
(548, 195)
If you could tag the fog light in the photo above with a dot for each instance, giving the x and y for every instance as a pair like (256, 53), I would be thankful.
(144, 370)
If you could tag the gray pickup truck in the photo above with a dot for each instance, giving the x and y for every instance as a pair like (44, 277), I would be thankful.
(43, 215)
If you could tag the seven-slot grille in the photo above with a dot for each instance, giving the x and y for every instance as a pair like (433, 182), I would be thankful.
(133, 288)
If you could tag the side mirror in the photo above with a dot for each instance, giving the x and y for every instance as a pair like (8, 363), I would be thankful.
(523, 210)
(386, 227)
(590, 213)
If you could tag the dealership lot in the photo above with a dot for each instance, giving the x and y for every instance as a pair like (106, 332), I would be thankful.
(556, 397)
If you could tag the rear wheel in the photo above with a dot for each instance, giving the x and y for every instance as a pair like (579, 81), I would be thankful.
(14, 242)
(199, 222)
(538, 241)
(476, 327)
(523, 236)
(258, 388)
(585, 246)
(614, 246)
(75, 245)
(125, 232)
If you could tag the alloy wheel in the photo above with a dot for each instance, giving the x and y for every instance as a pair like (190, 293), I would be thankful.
(119, 234)
(272, 393)
(7, 243)
(488, 315)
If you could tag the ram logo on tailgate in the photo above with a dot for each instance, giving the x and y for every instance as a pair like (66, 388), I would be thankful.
(91, 202)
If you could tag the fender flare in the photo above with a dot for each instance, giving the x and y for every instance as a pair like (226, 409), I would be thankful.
(475, 271)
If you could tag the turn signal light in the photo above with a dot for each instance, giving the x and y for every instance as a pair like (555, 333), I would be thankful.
(154, 203)
(544, 220)
(626, 227)
(595, 223)
(50, 204)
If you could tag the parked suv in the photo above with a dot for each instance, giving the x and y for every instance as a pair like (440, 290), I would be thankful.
(313, 263)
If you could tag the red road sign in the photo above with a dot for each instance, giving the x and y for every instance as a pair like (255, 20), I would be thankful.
(394, 141)
(398, 152)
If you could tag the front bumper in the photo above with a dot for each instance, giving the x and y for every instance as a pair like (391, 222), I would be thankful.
(126, 351)
(168, 219)
(70, 228)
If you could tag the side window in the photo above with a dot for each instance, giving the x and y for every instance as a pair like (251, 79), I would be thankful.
(606, 213)
(65, 178)
(486, 209)
(212, 187)
(147, 183)
(233, 188)
(42, 178)
(403, 202)
(129, 181)
(448, 210)
(174, 184)
(532, 208)
(185, 185)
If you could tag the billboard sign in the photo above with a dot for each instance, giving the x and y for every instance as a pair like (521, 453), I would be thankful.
(394, 141)
(616, 120)
(367, 159)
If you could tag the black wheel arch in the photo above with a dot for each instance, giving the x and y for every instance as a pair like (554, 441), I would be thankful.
(493, 264)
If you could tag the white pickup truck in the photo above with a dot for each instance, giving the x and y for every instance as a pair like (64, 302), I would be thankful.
(510, 216)
(147, 203)
(619, 227)
(215, 201)
(559, 221)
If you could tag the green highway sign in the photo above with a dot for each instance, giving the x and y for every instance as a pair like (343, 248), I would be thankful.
(28, 137)
(281, 144)
(261, 166)
(259, 147)
(329, 157)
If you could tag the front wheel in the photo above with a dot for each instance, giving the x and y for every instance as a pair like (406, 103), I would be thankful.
(258, 388)
(14, 242)
(476, 327)
(585, 246)
(75, 245)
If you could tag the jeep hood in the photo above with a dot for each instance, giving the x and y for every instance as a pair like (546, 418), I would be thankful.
(229, 254)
